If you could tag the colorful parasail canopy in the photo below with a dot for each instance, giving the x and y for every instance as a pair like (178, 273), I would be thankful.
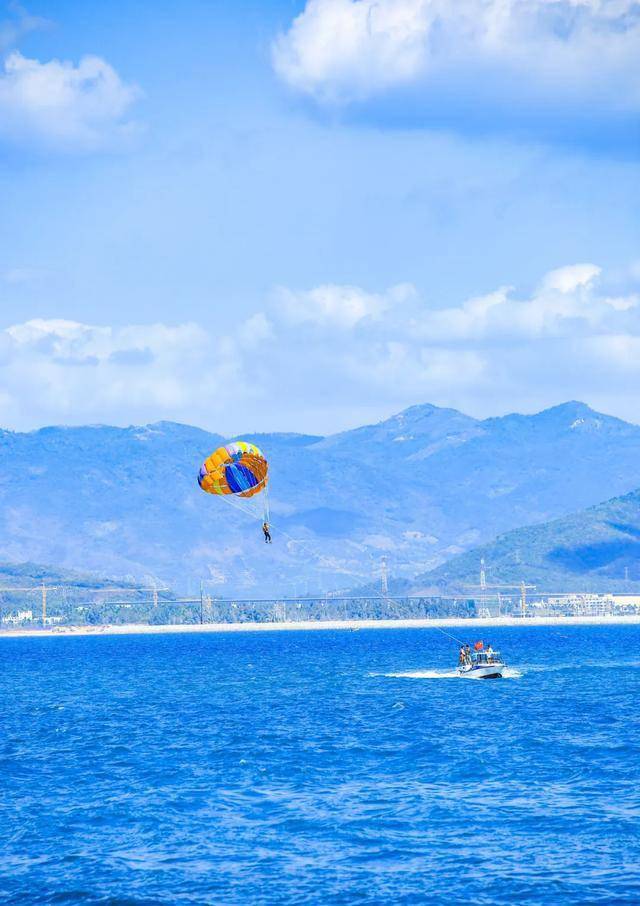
(239, 468)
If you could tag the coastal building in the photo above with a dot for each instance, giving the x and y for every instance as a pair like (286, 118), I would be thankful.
(588, 604)
(16, 619)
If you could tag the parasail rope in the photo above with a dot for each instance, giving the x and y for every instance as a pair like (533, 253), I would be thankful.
(253, 512)
(245, 508)
(448, 634)
(439, 628)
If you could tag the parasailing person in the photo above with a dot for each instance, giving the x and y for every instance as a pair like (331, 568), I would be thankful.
(237, 472)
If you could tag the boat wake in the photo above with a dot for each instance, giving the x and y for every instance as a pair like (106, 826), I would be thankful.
(421, 674)
(509, 673)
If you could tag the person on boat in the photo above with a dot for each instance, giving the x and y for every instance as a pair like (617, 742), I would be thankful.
(489, 651)
(467, 653)
(266, 532)
(463, 657)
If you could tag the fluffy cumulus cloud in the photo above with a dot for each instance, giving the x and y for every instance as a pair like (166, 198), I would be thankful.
(567, 304)
(65, 371)
(336, 306)
(59, 105)
(337, 355)
(342, 48)
(327, 358)
(468, 55)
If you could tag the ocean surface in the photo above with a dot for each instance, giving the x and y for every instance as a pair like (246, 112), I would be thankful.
(320, 767)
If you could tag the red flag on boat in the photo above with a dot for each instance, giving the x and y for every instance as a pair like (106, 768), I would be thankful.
(478, 646)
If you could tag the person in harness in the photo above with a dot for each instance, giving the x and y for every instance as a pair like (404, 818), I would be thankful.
(266, 533)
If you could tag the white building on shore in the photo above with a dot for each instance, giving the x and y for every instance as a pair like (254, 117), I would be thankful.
(18, 618)
(587, 604)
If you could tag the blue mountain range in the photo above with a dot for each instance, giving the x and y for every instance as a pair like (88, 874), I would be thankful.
(597, 549)
(418, 489)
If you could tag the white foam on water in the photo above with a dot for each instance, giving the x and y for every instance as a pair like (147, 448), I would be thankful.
(421, 674)
(509, 673)
(512, 673)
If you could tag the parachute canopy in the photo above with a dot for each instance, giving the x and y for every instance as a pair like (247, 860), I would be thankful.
(239, 468)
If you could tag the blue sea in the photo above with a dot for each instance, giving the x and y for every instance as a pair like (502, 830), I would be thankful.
(320, 767)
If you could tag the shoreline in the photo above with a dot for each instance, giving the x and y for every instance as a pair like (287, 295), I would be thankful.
(316, 625)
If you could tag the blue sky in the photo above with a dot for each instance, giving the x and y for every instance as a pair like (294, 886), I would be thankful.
(302, 216)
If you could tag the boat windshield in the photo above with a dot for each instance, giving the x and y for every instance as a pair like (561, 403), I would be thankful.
(484, 657)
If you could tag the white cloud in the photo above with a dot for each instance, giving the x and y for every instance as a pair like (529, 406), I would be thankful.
(65, 371)
(343, 307)
(410, 365)
(255, 330)
(331, 357)
(567, 304)
(70, 341)
(569, 338)
(65, 107)
(618, 352)
(568, 279)
(342, 48)
(549, 53)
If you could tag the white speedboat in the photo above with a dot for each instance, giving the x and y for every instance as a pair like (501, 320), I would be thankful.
(483, 665)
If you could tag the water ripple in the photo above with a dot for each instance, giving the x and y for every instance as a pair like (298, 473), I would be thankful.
(309, 768)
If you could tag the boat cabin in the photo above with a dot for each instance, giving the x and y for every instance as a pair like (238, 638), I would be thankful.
(483, 657)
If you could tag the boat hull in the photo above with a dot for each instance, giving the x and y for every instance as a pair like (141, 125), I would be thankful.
(482, 671)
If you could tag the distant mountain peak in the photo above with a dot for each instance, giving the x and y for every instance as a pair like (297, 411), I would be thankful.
(419, 409)
(425, 410)
(577, 416)
(572, 416)
(571, 409)
(166, 426)
(419, 424)
(421, 420)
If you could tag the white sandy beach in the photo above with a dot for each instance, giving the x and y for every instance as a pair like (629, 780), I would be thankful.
(304, 625)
